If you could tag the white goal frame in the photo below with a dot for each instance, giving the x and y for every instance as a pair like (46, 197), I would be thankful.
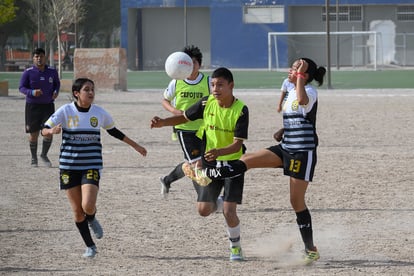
(274, 35)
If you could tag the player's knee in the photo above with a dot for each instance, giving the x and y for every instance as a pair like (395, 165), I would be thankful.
(204, 210)
(88, 208)
(298, 204)
(229, 213)
(78, 215)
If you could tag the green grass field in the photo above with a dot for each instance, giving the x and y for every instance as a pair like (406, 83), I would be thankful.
(262, 79)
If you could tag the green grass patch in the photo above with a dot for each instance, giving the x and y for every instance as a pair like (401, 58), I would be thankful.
(262, 79)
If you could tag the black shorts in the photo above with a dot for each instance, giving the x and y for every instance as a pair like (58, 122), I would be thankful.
(72, 178)
(233, 189)
(190, 144)
(36, 115)
(300, 165)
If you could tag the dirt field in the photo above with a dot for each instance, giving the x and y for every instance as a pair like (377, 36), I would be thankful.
(361, 199)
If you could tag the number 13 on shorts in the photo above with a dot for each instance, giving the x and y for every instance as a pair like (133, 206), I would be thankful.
(295, 165)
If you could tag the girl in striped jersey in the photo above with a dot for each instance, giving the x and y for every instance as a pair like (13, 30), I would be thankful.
(80, 160)
(296, 153)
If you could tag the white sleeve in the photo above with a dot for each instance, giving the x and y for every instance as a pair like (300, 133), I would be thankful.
(169, 92)
(57, 118)
(284, 86)
(312, 96)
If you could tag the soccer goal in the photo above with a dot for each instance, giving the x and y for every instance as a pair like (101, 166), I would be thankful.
(348, 49)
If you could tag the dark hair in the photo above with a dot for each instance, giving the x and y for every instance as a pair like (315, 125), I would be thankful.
(315, 72)
(222, 73)
(194, 52)
(78, 84)
(38, 51)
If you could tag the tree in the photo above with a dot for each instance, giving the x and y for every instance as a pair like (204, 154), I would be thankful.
(63, 14)
(7, 11)
(100, 20)
(21, 24)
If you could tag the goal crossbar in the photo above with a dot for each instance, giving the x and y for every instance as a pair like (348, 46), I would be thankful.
(275, 34)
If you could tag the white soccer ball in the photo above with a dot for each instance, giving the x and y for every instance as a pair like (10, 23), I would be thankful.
(178, 65)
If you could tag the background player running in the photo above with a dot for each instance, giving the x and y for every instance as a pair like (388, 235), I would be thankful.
(40, 83)
(81, 155)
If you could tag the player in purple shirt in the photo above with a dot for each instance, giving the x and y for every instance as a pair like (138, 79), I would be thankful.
(40, 83)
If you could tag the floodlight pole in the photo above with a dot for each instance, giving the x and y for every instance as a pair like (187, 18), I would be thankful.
(337, 37)
(328, 45)
(185, 23)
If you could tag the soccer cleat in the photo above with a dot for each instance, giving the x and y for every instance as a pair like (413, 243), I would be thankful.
(46, 161)
(165, 188)
(96, 228)
(236, 253)
(90, 252)
(311, 256)
(34, 163)
(196, 175)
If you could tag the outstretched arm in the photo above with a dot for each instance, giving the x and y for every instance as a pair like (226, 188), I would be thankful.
(121, 136)
(50, 131)
(135, 145)
(158, 122)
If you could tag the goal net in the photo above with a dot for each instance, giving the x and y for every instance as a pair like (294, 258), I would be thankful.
(348, 49)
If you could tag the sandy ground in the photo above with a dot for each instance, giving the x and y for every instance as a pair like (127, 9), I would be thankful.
(360, 200)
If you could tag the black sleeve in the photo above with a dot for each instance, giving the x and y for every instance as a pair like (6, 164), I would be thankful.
(196, 111)
(116, 133)
(242, 124)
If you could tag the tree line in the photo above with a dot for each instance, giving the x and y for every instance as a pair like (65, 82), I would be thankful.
(93, 23)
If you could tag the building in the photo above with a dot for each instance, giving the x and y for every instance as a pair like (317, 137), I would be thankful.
(234, 33)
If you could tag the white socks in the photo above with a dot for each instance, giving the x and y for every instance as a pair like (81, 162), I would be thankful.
(234, 235)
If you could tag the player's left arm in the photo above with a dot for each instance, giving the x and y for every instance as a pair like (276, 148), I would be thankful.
(121, 136)
(56, 85)
(213, 154)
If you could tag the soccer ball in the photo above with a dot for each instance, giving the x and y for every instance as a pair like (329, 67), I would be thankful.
(178, 65)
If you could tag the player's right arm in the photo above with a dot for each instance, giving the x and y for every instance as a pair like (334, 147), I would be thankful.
(157, 122)
(169, 97)
(54, 130)
(25, 87)
(170, 108)
(282, 96)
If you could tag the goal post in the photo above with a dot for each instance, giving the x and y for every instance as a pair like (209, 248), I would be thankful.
(353, 49)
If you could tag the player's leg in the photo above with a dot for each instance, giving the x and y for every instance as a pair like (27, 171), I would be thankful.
(191, 147)
(233, 194)
(32, 127)
(207, 197)
(74, 196)
(303, 218)
(90, 188)
(47, 139)
(33, 137)
(263, 158)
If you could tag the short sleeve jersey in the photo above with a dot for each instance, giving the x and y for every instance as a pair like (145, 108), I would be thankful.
(221, 125)
(299, 122)
(184, 93)
(81, 147)
(287, 86)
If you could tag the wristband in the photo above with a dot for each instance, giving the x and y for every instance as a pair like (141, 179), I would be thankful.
(300, 75)
(33, 92)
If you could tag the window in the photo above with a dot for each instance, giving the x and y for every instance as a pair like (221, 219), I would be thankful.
(264, 14)
(405, 13)
(345, 13)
